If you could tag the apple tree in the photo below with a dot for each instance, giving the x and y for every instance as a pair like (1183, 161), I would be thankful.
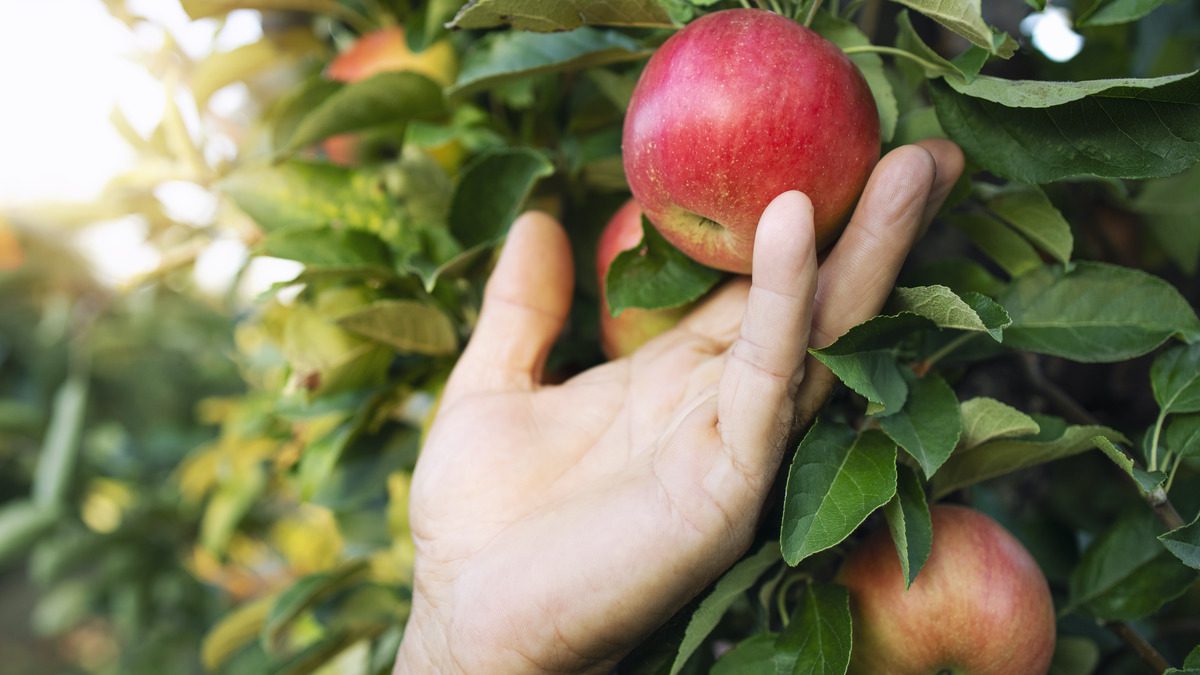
(1039, 359)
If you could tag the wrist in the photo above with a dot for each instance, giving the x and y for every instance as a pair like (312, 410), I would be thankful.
(422, 650)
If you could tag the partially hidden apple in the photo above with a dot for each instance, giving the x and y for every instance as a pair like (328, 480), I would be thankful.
(979, 606)
(621, 335)
(734, 109)
(381, 51)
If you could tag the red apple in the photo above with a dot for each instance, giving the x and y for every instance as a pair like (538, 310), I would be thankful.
(980, 605)
(736, 108)
(382, 51)
(621, 335)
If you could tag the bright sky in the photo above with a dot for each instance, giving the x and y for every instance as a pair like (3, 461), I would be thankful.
(67, 65)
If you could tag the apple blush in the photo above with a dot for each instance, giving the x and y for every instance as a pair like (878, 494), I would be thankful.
(979, 606)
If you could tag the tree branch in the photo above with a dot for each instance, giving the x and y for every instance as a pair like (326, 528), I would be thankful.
(1070, 408)
(1061, 400)
(1144, 649)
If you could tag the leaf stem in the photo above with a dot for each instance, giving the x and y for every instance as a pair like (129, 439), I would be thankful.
(930, 361)
(1144, 649)
(894, 51)
(1158, 425)
(812, 12)
(1174, 470)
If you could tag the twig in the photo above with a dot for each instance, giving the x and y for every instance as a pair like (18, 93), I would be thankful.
(1144, 649)
(1061, 399)
(1164, 509)
(1157, 498)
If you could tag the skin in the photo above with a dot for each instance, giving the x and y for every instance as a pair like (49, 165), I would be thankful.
(621, 335)
(557, 526)
(980, 605)
(734, 109)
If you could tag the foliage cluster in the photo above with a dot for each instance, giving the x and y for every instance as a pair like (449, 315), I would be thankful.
(1040, 358)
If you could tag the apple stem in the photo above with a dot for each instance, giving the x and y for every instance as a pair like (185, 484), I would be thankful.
(879, 49)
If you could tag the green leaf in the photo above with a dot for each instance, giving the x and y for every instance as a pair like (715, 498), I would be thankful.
(1183, 436)
(835, 482)
(60, 447)
(492, 191)
(1175, 378)
(933, 64)
(876, 376)
(561, 15)
(1184, 543)
(929, 424)
(1111, 12)
(324, 653)
(1125, 574)
(864, 358)
(234, 631)
(985, 419)
(1027, 209)
(1001, 456)
(939, 304)
(65, 605)
(1074, 655)
(302, 596)
(1169, 207)
(22, 523)
(503, 56)
(727, 590)
(910, 524)
(1108, 128)
(305, 194)
(818, 638)
(201, 9)
(386, 99)
(1193, 658)
(222, 68)
(322, 455)
(1000, 242)
(228, 505)
(655, 275)
(753, 656)
(1044, 94)
(1095, 313)
(1147, 481)
(845, 34)
(409, 326)
(965, 18)
(959, 274)
(322, 247)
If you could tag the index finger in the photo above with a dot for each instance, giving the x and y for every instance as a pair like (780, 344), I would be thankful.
(905, 190)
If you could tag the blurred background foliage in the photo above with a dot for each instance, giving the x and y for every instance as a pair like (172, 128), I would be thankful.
(206, 433)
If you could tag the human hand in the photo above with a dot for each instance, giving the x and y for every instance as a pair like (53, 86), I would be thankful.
(556, 526)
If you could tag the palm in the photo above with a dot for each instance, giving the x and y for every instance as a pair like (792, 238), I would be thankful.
(615, 460)
(555, 525)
